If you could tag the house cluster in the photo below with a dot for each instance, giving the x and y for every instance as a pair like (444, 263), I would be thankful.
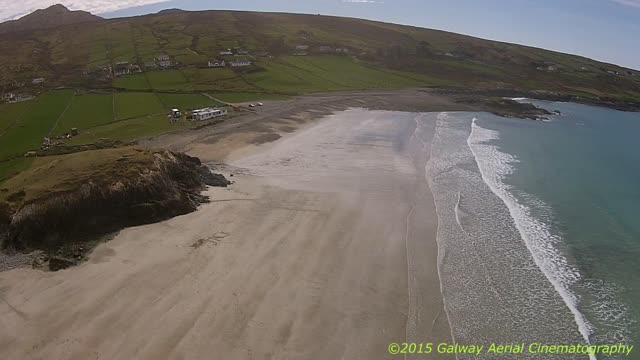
(240, 63)
(241, 58)
(234, 51)
(14, 98)
(125, 68)
(303, 50)
(548, 66)
(199, 114)
(121, 68)
(163, 61)
(621, 73)
(215, 63)
(50, 142)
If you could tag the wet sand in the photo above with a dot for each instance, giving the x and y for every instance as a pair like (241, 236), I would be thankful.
(324, 248)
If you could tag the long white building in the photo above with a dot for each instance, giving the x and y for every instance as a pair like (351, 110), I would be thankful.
(208, 113)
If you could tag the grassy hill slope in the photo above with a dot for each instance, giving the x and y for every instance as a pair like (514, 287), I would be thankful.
(74, 54)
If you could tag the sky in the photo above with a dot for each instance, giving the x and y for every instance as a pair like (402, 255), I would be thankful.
(606, 30)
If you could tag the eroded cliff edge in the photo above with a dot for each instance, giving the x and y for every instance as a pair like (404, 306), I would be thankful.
(61, 205)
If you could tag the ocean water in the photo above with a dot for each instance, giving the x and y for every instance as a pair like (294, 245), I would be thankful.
(539, 226)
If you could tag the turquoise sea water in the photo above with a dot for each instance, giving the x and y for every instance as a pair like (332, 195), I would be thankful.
(539, 227)
(579, 175)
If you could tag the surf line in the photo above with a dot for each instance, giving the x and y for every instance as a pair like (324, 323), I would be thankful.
(443, 116)
(511, 203)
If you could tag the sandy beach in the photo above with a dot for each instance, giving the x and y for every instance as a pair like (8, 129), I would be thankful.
(324, 248)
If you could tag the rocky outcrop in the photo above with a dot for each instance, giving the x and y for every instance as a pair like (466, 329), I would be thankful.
(169, 185)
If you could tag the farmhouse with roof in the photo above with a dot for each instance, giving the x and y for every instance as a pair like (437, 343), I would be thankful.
(163, 61)
(240, 63)
(217, 63)
(121, 68)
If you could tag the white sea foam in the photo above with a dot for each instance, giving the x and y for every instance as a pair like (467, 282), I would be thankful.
(494, 167)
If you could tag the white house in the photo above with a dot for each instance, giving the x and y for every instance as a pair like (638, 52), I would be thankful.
(121, 68)
(239, 63)
(8, 97)
(37, 81)
(208, 113)
(226, 52)
(163, 61)
(217, 64)
(302, 47)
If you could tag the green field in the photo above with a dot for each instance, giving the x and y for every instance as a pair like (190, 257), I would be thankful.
(242, 97)
(36, 123)
(350, 74)
(301, 74)
(132, 105)
(129, 130)
(10, 114)
(167, 80)
(86, 111)
(186, 101)
(200, 76)
(125, 116)
(132, 82)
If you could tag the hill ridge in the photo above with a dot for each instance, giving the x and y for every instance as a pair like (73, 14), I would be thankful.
(51, 17)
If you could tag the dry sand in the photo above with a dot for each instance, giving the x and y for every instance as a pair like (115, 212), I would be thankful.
(324, 248)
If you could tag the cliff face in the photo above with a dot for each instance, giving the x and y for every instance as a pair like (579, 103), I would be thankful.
(166, 185)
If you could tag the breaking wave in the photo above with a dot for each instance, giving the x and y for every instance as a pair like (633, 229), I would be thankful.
(543, 245)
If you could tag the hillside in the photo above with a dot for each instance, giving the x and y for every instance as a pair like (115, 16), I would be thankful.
(76, 55)
(53, 16)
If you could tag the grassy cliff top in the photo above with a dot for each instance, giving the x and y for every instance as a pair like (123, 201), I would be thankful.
(58, 174)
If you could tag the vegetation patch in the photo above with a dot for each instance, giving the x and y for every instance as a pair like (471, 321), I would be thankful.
(132, 82)
(167, 80)
(34, 124)
(133, 105)
(129, 130)
(241, 97)
(186, 101)
(86, 111)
